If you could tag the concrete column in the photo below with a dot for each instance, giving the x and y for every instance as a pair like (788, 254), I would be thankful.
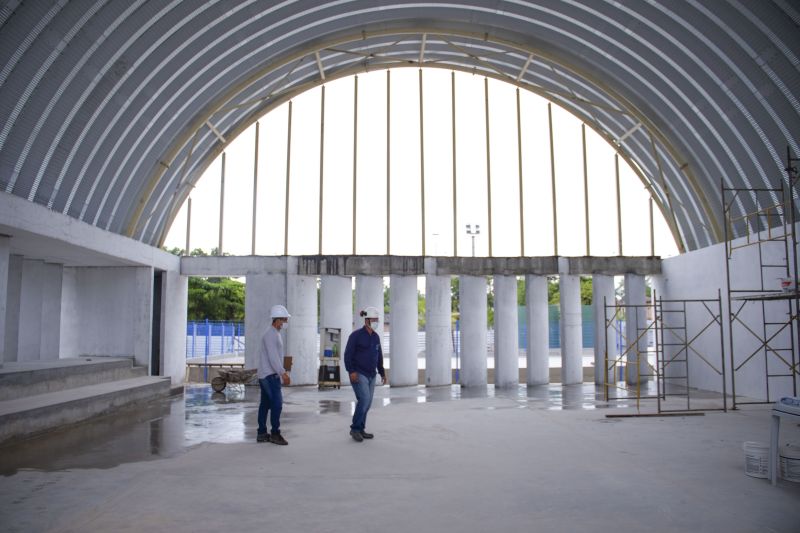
(635, 323)
(143, 316)
(302, 334)
(506, 332)
(14, 290)
(603, 291)
(30, 310)
(336, 311)
(571, 341)
(369, 292)
(403, 326)
(472, 303)
(438, 341)
(174, 304)
(50, 335)
(262, 291)
(4, 260)
(538, 351)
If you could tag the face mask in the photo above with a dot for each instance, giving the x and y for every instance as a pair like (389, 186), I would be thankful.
(374, 325)
(284, 325)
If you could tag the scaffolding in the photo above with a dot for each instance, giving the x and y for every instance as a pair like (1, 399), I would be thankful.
(679, 327)
(765, 352)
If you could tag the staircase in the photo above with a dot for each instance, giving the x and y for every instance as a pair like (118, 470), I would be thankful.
(38, 396)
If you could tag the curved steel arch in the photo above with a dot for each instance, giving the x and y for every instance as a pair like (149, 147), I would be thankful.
(106, 108)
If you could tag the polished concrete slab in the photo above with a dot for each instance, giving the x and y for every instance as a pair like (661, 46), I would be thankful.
(443, 459)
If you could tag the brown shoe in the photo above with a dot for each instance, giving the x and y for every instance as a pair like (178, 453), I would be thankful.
(278, 439)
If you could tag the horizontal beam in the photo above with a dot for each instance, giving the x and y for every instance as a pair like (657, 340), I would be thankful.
(386, 265)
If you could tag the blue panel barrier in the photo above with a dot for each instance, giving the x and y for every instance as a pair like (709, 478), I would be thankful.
(207, 338)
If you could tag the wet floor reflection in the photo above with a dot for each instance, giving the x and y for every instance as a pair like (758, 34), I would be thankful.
(170, 426)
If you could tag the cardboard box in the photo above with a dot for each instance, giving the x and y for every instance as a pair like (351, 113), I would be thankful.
(287, 363)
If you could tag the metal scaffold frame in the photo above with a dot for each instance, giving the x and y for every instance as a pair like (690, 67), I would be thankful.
(768, 225)
(675, 339)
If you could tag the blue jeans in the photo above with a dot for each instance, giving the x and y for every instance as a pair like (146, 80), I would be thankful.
(271, 400)
(364, 389)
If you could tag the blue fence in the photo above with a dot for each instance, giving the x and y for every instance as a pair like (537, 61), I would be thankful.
(214, 338)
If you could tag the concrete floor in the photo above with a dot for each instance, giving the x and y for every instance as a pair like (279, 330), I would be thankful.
(529, 459)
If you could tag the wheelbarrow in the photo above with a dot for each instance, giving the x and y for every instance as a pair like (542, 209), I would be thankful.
(238, 376)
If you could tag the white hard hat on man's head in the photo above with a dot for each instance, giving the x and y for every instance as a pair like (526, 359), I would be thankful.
(370, 312)
(279, 311)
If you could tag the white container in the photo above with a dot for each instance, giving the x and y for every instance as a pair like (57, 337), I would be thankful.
(789, 461)
(756, 459)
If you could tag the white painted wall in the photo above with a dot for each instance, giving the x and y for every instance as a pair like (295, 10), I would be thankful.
(700, 275)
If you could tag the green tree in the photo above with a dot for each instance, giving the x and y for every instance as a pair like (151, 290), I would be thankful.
(216, 299)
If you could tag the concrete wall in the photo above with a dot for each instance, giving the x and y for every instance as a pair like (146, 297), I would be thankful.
(262, 291)
(107, 311)
(174, 304)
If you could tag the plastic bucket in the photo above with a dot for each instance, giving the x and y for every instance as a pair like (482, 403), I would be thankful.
(789, 460)
(756, 459)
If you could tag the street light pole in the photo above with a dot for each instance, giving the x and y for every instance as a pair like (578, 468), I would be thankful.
(472, 233)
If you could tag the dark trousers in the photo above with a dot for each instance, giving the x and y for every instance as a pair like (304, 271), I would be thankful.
(272, 401)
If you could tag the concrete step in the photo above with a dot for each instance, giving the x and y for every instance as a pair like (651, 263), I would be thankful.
(30, 378)
(31, 415)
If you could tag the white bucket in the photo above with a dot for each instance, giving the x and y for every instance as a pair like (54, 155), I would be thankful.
(789, 459)
(756, 459)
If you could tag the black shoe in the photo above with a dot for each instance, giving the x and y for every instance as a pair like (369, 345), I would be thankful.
(262, 437)
(277, 438)
(367, 435)
(357, 436)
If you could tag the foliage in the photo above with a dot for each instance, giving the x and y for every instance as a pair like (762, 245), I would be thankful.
(216, 299)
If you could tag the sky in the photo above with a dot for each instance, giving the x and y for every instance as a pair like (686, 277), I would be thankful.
(405, 214)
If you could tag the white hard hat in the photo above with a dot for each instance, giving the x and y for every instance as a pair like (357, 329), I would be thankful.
(370, 312)
(279, 311)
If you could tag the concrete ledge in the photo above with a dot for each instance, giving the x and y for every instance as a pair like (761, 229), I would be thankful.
(19, 380)
(29, 416)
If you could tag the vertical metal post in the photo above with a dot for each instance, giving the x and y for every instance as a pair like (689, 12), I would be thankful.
(388, 161)
(488, 162)
(453, 121)
(221, 204)
(422, 162)
(188, 225)
(619, 205)
(519, 172)
(321, 162)
(585, 189)
(355, 158)
(288, 169)
(553, 178)
(255, 191)
(652, 232)
(722, 350)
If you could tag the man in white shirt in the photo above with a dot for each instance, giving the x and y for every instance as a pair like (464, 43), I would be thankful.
(270, 377)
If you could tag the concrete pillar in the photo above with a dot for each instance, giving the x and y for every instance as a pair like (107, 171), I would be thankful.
(302, 333)
(438, 341)
(5, 249)
(472, 303)
(30, 310)
(602, 295)
(262, 291)
(403, 348)
(174, 304)
(506, 332)
(50, 335)
(143, 316)
(635, 324)
(538, 350)
(571, 331)
(369, 292)
(336, 311)
(13, 293)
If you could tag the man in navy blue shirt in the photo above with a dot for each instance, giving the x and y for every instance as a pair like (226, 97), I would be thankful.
(363, 359)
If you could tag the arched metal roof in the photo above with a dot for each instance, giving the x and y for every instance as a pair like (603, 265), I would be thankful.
(110, 110)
